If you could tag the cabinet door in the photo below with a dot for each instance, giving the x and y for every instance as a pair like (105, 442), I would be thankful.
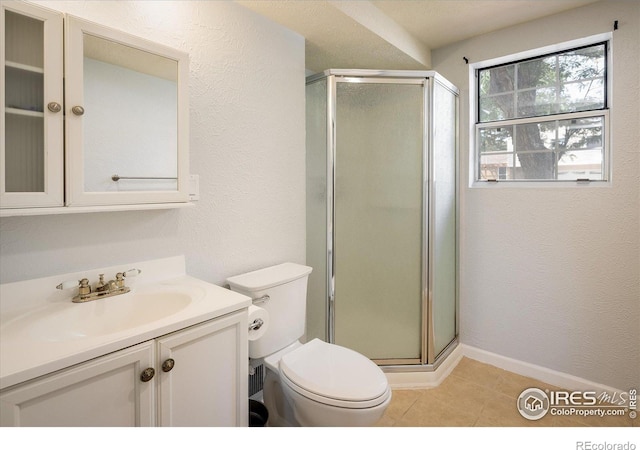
(126, 118)
(106, 391)
(207, 385)
(31, 117)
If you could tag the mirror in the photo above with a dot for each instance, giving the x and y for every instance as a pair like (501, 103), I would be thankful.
(127, 118)
(130, 123)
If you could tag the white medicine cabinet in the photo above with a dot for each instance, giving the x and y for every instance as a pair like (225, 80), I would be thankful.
(92, 118)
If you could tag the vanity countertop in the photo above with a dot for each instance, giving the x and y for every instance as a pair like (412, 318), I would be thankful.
(41, 333)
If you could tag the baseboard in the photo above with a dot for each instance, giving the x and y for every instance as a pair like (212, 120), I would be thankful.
(425, 380)
(549, 376)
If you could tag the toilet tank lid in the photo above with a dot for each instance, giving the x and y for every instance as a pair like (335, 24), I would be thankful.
(269, 277)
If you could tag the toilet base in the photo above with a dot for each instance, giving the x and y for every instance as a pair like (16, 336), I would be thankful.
(280, 410)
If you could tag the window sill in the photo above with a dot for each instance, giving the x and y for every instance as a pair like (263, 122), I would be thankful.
(540, 184)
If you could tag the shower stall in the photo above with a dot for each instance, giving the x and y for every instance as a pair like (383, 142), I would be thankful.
(381, 168)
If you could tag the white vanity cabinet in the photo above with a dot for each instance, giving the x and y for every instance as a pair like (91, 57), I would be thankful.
(92, 119)
(207, 385)
(196, 376)
(105, 391)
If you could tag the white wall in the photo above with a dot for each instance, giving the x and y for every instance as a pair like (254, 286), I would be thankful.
(552, 276)
(247, 144)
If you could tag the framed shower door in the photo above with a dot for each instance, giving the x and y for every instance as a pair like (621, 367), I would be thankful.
(379, 224)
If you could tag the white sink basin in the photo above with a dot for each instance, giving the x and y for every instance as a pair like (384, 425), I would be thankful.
(42, 330)
(103, 316)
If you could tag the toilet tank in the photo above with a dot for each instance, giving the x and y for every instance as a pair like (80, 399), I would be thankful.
(286, 286)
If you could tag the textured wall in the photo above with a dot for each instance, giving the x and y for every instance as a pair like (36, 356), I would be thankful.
(246, 142)
(551, 276)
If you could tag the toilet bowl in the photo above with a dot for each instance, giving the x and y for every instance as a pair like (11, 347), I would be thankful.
(324, 385)
(312, 384)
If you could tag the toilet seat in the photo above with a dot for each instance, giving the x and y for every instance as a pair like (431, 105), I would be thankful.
(334, 375)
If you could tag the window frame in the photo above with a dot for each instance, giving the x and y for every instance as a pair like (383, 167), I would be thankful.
(475, 125)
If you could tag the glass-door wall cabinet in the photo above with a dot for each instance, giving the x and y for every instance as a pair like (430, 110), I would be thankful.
(31, 99)
(91, 116)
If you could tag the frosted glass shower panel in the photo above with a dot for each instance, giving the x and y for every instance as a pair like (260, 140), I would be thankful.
(378, 218)
(443, 208)
(317, 229)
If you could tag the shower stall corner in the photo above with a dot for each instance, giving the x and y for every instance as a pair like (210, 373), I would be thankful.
(382, 228)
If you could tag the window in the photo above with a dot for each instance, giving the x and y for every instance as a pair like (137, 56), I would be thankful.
(543, 118)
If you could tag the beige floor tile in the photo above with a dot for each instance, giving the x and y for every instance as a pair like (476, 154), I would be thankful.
(563, 421)
(512, 384)
(385, 421)
(479, 373)
(481, 395)
(401, 401)
(501, 411)
(428, 411)
(464, 394)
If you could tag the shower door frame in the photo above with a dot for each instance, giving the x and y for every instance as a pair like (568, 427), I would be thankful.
(428, 358)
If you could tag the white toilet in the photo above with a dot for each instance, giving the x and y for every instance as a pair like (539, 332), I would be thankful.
(312, 384)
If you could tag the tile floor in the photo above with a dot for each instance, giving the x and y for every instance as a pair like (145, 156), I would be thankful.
(480, 395)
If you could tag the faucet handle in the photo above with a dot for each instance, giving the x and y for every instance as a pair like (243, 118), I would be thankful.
(82, 285)
(69, 284)
(127, 274)
(120, 276)
(132, 273)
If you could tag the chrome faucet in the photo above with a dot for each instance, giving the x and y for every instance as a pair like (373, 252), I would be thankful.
(102, 289)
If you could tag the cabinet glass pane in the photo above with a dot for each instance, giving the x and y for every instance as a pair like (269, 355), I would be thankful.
(24, 40)
(24, 91)
(24, 156)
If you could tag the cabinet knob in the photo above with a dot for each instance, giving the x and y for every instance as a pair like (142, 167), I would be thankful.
(147, 374)
(54, 107)
(168, 365)
(77, 110)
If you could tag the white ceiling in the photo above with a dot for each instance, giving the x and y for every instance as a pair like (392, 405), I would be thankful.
(395, 34)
